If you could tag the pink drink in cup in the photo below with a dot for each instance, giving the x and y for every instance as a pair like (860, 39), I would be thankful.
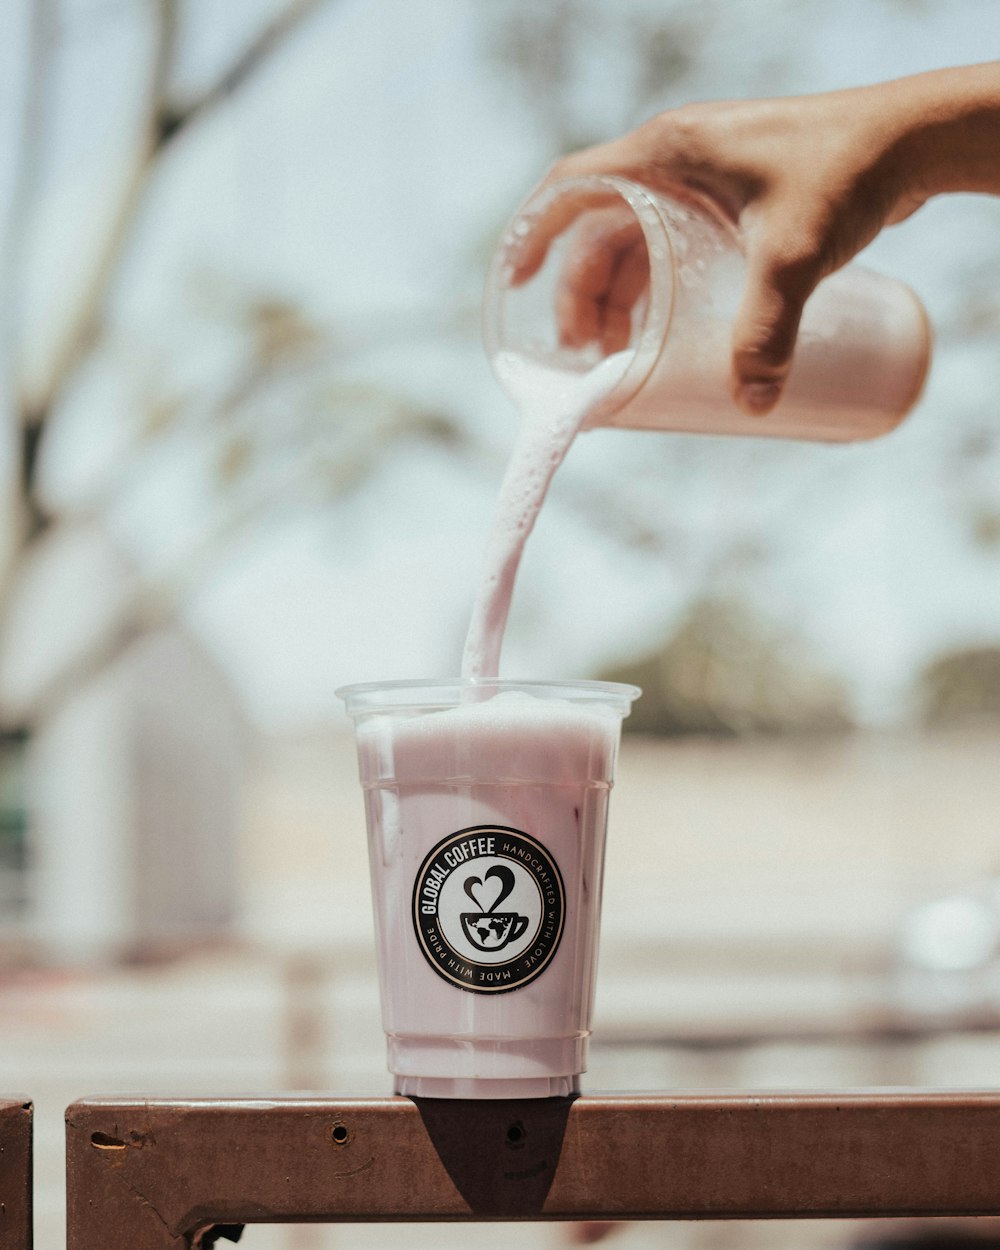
(487, 805)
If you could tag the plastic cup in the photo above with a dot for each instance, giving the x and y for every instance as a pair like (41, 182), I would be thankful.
(860, 362)
(486, 806)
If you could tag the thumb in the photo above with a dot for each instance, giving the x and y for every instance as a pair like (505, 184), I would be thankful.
(525, 255)
(767, 325)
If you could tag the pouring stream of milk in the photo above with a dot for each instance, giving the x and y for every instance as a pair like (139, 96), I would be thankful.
(554, 406)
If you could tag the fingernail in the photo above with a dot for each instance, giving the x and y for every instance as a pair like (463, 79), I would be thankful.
(759, 397)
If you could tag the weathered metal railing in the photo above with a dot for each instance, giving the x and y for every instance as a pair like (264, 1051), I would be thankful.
(154, 1173)
(15, 1173)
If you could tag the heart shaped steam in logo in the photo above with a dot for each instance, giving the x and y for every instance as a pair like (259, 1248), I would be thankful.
(489, 899)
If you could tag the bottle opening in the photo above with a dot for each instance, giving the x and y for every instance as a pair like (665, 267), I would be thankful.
(584, 271)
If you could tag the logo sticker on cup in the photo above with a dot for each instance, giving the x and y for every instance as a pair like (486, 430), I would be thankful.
(488, 908)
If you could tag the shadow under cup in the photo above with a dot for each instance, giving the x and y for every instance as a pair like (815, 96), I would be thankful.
(486, 805)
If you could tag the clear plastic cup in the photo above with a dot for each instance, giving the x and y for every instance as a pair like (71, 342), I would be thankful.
(860, 362)
(486, 805)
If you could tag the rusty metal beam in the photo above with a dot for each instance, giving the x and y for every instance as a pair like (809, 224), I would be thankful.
(15, 1173)
(159, 1172)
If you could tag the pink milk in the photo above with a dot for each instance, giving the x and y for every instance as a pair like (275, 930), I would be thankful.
(554, 405)
(486, 821)
(486, 805)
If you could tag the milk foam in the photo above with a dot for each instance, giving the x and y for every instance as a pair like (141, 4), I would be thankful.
(554, 405)
(513, 736)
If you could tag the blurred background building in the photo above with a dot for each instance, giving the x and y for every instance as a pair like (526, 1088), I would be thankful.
(249, 451)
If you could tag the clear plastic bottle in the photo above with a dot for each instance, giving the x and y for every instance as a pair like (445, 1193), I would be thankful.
(860, 361)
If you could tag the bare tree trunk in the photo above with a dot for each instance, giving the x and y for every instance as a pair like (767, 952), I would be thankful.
(21, 519)
(164, 122)
(27, 413)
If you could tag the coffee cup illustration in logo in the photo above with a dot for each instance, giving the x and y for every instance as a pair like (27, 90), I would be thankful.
(489, 929)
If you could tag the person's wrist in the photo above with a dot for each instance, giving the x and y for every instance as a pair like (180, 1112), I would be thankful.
(948, 124)
(901, 160)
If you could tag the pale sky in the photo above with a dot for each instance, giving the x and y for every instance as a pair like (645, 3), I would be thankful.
(358, 176)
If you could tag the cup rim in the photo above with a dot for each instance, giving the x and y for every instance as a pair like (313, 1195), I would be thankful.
(656, 230)
(440, 692)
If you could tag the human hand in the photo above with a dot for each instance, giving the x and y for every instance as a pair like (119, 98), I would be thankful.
(808, 182)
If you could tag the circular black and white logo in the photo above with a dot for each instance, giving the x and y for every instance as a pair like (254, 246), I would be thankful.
(488, 908)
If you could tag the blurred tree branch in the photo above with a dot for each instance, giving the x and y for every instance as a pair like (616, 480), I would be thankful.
(164, 122)
(305, 478)
(27, 410)
(173, 118)
(27, 171)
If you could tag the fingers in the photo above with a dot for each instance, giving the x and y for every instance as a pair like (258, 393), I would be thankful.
(526, 252)
(629, 282)
(778, 284)
(585, 277)
(656, 152)
(603, 275)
